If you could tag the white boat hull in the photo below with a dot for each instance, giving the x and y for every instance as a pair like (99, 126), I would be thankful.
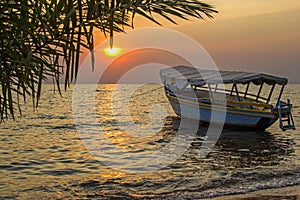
(235, 118)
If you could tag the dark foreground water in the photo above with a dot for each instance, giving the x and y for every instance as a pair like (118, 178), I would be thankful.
(43, 156)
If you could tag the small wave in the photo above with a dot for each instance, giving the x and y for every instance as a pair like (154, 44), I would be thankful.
(62, 172)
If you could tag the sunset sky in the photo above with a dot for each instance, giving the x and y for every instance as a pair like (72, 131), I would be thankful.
(259, 36)
(252, 35)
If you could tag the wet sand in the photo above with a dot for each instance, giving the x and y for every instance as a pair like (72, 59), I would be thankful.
(286, 193)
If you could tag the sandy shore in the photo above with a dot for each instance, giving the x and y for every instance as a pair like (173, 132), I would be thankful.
(287, 193)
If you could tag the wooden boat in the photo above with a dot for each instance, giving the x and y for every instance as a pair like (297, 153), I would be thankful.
(200, 94)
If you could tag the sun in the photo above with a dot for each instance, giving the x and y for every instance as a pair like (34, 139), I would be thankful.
(112, 51)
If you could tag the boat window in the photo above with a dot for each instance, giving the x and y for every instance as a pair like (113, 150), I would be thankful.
(263, 93)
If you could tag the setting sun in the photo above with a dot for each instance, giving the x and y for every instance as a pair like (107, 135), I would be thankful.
(112, 51)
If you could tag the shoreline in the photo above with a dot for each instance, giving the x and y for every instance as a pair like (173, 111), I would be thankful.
(289, 192)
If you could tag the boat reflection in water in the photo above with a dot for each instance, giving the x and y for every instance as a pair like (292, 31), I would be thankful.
(234, 149)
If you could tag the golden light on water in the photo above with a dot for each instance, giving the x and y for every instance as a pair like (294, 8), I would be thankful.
(112, 51)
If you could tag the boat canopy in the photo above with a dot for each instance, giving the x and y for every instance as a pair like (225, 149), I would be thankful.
(183, 75)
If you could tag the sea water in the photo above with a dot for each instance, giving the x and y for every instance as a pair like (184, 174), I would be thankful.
(43, 155)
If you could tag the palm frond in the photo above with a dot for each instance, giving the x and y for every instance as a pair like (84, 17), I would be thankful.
(44, 39)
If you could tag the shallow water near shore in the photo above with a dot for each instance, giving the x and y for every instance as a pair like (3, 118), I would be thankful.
(43, 156)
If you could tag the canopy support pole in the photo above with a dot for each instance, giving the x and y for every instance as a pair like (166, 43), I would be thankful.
(232, 89)
(216, 87)
(280, 94)
(246, 91)
(237, 92)
(259, 91)
(211, 94)
(270, 94)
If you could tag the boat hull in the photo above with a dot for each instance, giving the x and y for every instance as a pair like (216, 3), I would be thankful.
(235, 118)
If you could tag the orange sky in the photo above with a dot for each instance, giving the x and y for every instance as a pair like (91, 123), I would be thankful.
(262, 36)
(124, 63)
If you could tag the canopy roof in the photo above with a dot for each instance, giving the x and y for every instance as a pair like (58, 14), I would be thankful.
(184, 75)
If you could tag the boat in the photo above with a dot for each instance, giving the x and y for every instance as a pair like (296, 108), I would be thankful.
(200, 94)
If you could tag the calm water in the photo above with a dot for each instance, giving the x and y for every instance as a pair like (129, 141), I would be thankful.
(43, 156)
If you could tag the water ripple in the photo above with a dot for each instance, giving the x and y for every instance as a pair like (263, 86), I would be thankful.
(42, 156)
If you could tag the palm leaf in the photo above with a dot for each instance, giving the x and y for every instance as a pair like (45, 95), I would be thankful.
(44, 39)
